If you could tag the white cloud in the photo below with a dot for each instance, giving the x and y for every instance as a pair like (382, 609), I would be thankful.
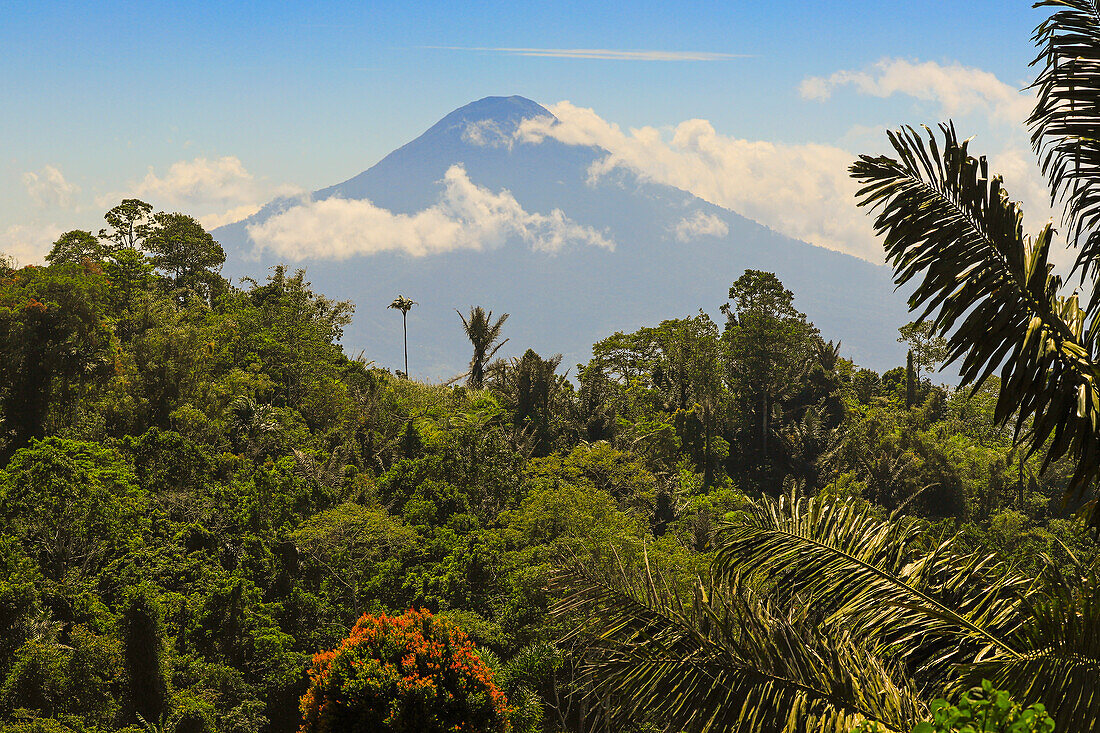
(216, 191)
(698, 225)
(28, 244)
(198, 182)
(997, 111)
(802, 191)
(466, 216)
(603, 54)
(49, 189)
(235, 214)
(486, 133)
(957, 89)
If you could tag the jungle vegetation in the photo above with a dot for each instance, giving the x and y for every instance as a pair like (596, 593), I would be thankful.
(818, 614)
(201, 491)
(715, 524)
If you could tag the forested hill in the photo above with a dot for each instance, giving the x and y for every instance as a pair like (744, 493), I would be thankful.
(666, 251)
(200, 489)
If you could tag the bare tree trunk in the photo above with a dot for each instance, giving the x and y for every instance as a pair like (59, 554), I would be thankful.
(765, 425)
(708, 476)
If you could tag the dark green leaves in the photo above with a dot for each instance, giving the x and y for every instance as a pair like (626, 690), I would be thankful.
(950, 226)
(821, 614)
(1065, 123)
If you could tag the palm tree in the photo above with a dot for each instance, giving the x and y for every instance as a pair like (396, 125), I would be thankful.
(819, 615)
(950, 226)
(483, 334)
(531, 391)
(404, 305)
(250, 421)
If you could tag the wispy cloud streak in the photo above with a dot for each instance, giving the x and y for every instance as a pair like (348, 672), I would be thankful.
(603, 54)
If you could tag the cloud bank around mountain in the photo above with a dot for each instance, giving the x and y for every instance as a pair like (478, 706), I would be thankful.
(803, 189)
(795, 189)
(466, 217)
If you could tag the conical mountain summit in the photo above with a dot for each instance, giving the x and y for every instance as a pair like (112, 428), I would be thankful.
(469, 213)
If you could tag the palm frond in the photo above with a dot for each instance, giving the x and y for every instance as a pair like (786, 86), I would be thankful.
(865, 574)
(989, 288)
(820, 614)
(728, 661)
(1061, 664)
(1065, 123)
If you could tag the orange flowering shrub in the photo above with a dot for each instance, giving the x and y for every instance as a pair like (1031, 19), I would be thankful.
(410, 673)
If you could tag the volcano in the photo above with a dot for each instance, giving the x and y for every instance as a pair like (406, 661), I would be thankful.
(572, 257)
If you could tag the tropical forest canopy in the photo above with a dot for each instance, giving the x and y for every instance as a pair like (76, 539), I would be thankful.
(212, 518)
(201, 490)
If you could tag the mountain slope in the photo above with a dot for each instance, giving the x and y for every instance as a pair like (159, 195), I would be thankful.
(564, 301)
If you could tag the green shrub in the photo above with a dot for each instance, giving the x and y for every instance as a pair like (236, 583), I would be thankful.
(985, 709)
(981, 710)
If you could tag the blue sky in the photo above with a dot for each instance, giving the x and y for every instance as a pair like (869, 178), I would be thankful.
(102, 99)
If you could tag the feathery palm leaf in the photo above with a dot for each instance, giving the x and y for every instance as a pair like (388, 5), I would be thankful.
(728, 661)
(403, 304)
(1065, 122)
(1061, 662)
(828, 353)
(989, 288)
(832, 574)
(483, 335)
(328, 475)
(865, 574)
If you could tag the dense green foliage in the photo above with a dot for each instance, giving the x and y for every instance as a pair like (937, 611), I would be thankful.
(985, 709)
(200, 490)
(820, 615)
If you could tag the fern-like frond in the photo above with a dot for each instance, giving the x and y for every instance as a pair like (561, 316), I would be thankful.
(990, 289)
(1065, 123)
(728, 661)
(937, 608)
(1060, 666)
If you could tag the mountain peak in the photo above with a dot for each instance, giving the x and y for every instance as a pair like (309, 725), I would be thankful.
(504, 113)
(452, 247)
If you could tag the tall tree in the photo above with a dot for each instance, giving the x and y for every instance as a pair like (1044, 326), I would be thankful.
(769, 343)
(182, 249)
(404, 305)
(910, 379)
(483, 335)
(687, 368)
(129, 222)
(927, 348)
